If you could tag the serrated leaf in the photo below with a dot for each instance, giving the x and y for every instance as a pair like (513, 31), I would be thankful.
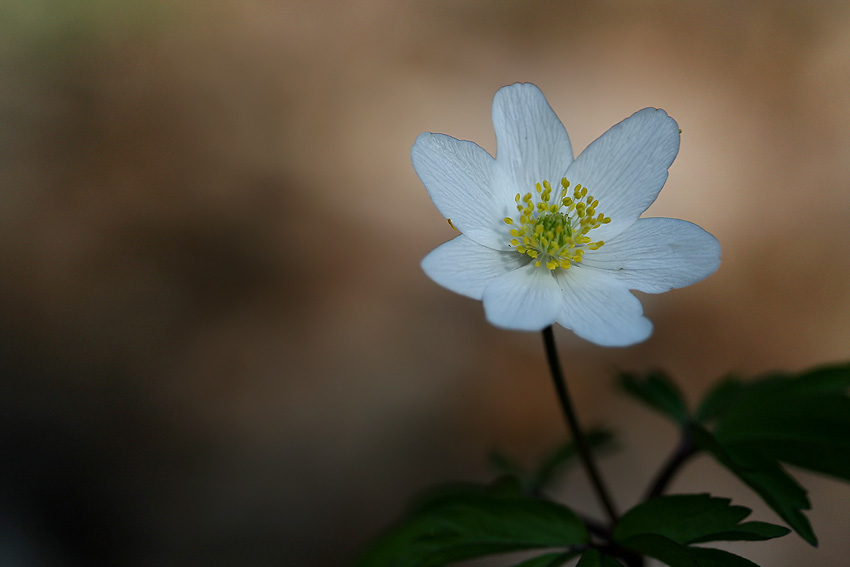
(812, 432)
(760, 402)
(658, 392)
(708, 557)
(549, 559)
(764, 475)
(828, 456)
(748, 531)
(692, 518)
(460, 527)
(799, 419)
(674, 554)
(593, 558)
(664, 549)
(719, 398)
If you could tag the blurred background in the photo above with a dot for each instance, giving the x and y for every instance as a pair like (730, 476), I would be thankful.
(216, 344)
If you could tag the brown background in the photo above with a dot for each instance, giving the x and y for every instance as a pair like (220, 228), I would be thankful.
(216, 343)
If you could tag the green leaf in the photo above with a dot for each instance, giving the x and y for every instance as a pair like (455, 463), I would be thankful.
(664, 549)
(748, 531)
(708, 557)
(692, 518)
(550, 559)
(473, 524)
(719, 398)
(818, 394)
(764, 475)
(800, 419)
(658, 392)
(593, 558)
(828, 455)
(674, 554)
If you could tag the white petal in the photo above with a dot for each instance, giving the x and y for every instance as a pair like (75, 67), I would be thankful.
(626, 167)
(532, 143)
(527, 299)
(458, 175)
(658, 254)
(466, 267)
(600, 309)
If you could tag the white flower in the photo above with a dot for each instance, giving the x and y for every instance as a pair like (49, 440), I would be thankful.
(546, 238)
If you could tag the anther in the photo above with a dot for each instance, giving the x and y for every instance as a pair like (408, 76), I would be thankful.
(555, 234)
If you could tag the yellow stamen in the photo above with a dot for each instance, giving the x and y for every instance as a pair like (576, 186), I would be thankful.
(553, 228)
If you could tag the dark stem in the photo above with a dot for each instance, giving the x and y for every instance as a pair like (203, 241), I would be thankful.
(683, 452)
(603, 532)
(575, 429)
(597, 528)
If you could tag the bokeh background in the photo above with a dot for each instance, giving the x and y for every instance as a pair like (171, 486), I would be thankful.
(216, 344)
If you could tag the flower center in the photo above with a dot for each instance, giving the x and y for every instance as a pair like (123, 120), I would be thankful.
(554, 232)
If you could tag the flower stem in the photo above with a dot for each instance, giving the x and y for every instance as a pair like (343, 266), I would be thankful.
(575, 429)
(683, 452)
